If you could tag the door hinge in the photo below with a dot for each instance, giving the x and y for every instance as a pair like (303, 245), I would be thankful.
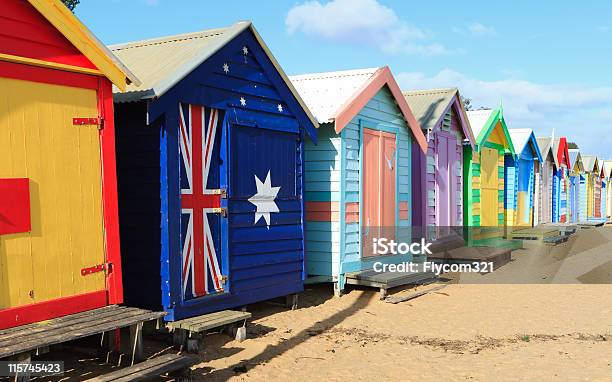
(220, 210)
(98, 121)
(220, 191)
(97, 268)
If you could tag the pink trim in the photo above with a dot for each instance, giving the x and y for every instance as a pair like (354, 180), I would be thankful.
(403, 210)
(322, 211)
(351, 212)
(367, 91)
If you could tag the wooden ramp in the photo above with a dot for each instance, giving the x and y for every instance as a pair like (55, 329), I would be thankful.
(28, 338)
(387, 280)
(532, 233)
(564, 228)
(175, 365)
(446, 243)
(464, 255)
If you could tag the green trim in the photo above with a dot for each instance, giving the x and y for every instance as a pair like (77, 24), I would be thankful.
(495, 117)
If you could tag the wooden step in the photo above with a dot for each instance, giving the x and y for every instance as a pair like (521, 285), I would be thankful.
(210, 321)
(177, 366)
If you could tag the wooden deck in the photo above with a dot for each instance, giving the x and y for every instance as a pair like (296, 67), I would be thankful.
(28, 338)
(532, 233)
(387, 280)
(498, 256)
(591, 223)
(564, 228)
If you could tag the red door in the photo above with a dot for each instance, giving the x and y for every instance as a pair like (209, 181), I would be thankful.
(379, 205)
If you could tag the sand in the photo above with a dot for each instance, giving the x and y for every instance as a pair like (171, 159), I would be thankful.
(473, 332)
(476, 328)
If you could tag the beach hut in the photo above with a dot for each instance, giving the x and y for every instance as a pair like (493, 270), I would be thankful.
(562, 180)
(577, 183)
(437, 177)
(607, 165)
(603, 180)
(592, 182)
(547, 188)
(484, 169)
(358, 177)
(211, 173)
(59, 233)
(528, 158)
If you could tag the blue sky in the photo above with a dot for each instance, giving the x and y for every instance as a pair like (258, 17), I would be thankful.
(549, 61)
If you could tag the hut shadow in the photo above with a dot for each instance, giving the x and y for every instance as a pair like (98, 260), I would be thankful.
(5, 273)
(273, 351)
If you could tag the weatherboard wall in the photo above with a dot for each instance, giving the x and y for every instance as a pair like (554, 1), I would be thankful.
(260, 262)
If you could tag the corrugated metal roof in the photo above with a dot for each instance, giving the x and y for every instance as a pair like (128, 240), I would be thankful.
(520, 138)
(545, 144)
(478, 119)
(589, 162)
(607, 166)
(428, 106)
(160, 63)
(325, 93)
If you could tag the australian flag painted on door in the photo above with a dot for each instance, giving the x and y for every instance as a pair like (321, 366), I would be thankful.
(200, 201)
(210, 174)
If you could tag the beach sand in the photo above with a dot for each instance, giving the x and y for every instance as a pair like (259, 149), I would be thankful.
(474, 332)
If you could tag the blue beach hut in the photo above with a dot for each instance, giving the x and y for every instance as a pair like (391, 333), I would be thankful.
(524, 164)
(210, 151)
(577, 183)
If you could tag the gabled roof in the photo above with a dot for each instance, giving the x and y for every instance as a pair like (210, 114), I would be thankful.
(561, 150)
(590, 163)
(523, 138)
(77, 33)
(546, 147)
(337, 97)
(483, 123)
(163, 62)
(607, 168)
(431, 106)
(575, 159)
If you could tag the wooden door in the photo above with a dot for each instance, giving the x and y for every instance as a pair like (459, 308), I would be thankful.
(490, 185)
(378, 190)
(38, 141)
(446, 203)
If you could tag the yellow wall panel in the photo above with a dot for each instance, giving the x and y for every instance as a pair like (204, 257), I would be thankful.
(62, 161)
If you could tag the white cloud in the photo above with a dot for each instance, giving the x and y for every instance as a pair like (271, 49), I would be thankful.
(583, 114)
(361, 22)
(475, 29)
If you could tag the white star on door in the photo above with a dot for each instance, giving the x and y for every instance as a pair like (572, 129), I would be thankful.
(264, 199)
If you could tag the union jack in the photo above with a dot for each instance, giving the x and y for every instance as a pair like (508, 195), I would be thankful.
(198, 201)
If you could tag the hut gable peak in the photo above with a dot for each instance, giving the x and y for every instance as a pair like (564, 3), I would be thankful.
(490, 122)
(337, 97)
(431, 106)
(162, 63)
(85, 42)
